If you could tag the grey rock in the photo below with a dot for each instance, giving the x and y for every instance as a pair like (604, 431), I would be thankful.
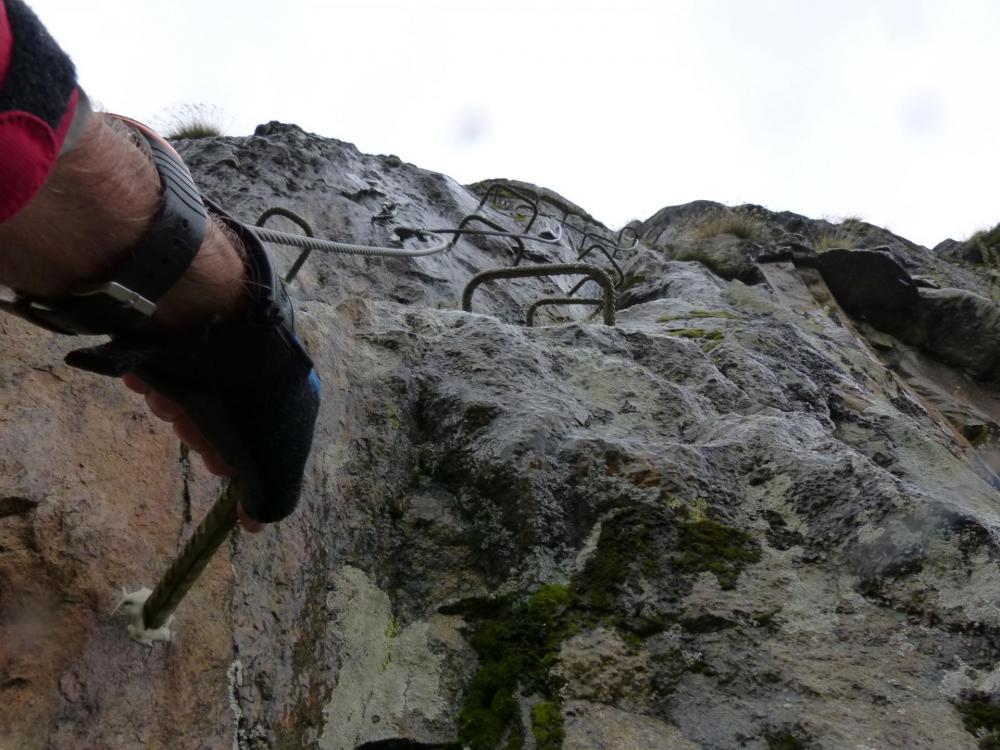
(593, 726)
(962, 329)
(768, 519)
(870, 284)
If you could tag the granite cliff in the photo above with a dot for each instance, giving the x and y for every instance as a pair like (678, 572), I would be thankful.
(760, 511)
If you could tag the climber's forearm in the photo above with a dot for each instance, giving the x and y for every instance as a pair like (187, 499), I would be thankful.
(96, 205)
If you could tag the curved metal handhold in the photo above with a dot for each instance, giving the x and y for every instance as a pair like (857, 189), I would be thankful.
(546, 236)
(628, 228)
(531, 199)
(607, 244)
(567, 212)
(610, 258)
(596, 273)
(559, 301)
(289, 214)
(595, 236)
(621, 234)
(580, 253)
(492, 225)
(565, 220)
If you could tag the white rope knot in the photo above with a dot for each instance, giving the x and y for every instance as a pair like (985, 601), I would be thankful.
(132, 605)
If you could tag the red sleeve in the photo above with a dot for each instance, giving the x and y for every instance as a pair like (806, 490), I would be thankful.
(6, 43)
(34, 115)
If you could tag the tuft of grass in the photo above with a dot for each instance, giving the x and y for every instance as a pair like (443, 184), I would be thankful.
(848, 234)
(837, 239)
(192, 130)
(699, 255)
(987, 243)
(192, 121)
(738, 225)
(983, 248)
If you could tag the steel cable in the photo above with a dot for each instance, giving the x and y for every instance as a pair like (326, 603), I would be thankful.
(347, 248)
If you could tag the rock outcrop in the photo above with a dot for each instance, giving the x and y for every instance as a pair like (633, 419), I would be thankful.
(760, 511)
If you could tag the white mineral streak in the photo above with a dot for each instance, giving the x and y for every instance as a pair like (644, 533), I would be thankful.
(234, 678)
(390, 684)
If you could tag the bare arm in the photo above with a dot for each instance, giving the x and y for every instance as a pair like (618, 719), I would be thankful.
(95, 206)
(77, 194)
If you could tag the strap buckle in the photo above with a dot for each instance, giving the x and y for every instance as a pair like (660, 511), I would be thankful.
(129, 299)
(75, 313)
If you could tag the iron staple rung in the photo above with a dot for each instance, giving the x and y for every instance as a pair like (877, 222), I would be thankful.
(596, 273)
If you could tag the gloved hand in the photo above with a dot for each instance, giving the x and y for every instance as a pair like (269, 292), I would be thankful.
(245, 382)
(42, 112)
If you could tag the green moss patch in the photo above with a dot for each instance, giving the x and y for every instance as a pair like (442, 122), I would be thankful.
(792, 738)
(979, 435)
(643, 542)
(700, 314)
(547, 725)
(517, 642)
(707, 545)
(696, 254)
(622, 550)
(981, 717)
(709, 346)
(517, 639)
(631, 279)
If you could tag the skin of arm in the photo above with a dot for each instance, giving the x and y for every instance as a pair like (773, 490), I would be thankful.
(96, 205)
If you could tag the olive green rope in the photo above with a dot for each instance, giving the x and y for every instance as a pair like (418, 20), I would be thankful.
(185, 570)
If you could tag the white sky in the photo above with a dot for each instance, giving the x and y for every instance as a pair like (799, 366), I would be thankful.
(885, 109)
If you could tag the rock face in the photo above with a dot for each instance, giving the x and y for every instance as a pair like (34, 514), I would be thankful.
(758, 512)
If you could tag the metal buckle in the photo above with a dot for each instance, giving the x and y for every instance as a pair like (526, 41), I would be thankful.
(60, 316)
(122, 294)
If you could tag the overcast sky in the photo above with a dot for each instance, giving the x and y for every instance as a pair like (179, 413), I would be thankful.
(884, 109)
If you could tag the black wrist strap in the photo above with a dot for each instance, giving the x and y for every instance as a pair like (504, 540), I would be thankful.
(154, 265)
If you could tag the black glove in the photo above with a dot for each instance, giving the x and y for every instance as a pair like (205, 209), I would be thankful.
(246, 382)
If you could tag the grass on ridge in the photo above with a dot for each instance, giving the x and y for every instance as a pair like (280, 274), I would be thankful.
(192, 121)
